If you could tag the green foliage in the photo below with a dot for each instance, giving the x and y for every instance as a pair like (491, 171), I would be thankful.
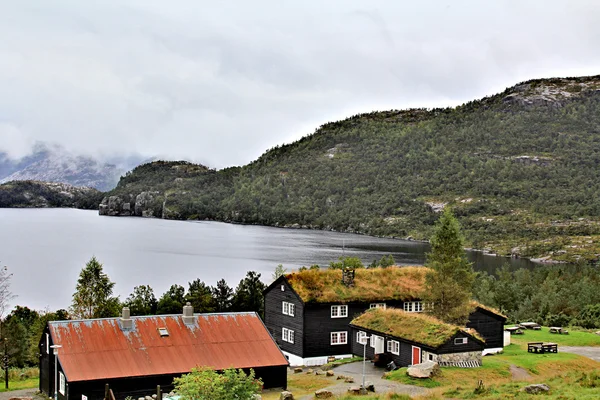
(206, 384)
(172, 301)
(552, 294)
(346, 263)
(142, 301)
(279, 271)
(448, 286)
(248, 295)
(93, 293)
(222, 295)
(200, 296)
(40, 194)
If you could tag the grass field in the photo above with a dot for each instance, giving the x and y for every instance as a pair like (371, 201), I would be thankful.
(30, 383)
(574, 338)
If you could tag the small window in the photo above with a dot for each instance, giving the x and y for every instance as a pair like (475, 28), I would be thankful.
(283, 288)
(287, 335)
(361, 337)
(377, 305)
(393, 347)
(372, 339)
(430, 356)
(413, 306)
(163, 332)
(62, 384)
(339, 311)
(288, 308)
(460, 340)
(339, 338)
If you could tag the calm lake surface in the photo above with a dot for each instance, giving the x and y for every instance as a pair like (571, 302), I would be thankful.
(45, 249)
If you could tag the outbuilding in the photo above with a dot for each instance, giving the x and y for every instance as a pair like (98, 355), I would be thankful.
(412, 338)
(135, 354)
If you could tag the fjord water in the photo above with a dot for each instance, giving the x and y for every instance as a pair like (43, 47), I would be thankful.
(45, 249)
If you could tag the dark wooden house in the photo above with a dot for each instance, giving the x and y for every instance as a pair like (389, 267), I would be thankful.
(412, 338)
(309, 312)
(135, 354)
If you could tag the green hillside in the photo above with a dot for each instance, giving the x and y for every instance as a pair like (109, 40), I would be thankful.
(520, 169)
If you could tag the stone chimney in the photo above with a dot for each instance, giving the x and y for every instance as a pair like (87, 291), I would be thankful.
(126, 321)
(348, 277)
(188, 314)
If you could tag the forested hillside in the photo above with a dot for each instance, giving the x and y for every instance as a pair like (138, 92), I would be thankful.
(37, 194)
(520, 169)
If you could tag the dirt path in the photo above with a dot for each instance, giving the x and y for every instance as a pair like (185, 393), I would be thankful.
(586, 351)
(519, 374)
(372, 374)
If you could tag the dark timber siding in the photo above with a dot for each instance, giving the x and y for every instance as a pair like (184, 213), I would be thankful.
(450, 347)
(275, 320)
(489, 326)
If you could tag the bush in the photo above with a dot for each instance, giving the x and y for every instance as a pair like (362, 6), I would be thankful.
(559, 319)
(589, 317)
(207, 384)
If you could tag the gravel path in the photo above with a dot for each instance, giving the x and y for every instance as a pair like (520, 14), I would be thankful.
(19, 393)
(589, 352)
(372, 374)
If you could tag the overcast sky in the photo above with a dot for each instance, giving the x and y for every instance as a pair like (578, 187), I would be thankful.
(221, 82)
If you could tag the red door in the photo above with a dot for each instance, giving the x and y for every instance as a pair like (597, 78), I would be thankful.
(416, 355)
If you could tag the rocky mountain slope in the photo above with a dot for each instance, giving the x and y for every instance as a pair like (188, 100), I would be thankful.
(520, 169)
(37, 194)
(52, 163)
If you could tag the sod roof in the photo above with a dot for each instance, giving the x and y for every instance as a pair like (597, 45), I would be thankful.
(373, 284)
(415, 327)
(476, 304)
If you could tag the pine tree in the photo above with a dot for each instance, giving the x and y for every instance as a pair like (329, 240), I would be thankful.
(93, 293)
(448, 286)
(142, 301)
(222, 295)
(200, 297)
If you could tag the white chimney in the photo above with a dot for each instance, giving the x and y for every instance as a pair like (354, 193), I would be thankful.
(188, 314)
(126, 322)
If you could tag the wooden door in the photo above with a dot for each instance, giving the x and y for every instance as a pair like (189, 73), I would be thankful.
(416, 355)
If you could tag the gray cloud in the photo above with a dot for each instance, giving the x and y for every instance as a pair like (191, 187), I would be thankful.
(221, 83)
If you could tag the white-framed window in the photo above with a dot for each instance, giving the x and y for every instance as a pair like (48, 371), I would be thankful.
(372, 341)
(339, 337)
(287, 335)
(413, 306)
(377, 305)
(393, 347)
(361, 337)
(62, 385)
(339, 311)
(460, 340)
(283, 288)
(288, 308)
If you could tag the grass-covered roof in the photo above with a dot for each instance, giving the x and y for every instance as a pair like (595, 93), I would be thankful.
(415, 327)
(476, 304)
(373, 284)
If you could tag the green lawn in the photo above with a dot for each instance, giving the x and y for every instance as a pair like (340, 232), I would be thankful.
(30, 383)
(574, 338)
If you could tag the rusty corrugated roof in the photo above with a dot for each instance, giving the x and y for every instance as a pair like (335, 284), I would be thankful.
(100, 349)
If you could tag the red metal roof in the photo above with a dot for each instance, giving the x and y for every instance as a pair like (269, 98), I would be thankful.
(100, 349)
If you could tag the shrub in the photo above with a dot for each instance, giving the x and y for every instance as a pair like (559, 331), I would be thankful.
(207, 384)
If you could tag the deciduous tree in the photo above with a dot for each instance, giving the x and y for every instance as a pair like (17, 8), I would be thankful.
(172, 301)
(222, 295)
(93, 294)
(142, 301)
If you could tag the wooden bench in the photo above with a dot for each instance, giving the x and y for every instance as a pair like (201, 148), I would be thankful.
(560, 331)
(540, 347)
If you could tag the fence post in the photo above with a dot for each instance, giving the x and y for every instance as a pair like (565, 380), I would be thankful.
(158, 393)
(106, 392)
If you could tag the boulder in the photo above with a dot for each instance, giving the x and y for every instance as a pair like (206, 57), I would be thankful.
(310, 371)
(597, 333)
(349, 379)
(423, 370)
(320, 372)
(329, 373)
(536, 389)
(323, 394)
(285, 395)
(354, 390)
(256, 397)
(341, 377)
(297, 370)
(369, 386)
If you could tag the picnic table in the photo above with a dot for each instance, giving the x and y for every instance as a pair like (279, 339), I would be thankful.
(540, 347)
(514, 330)
(530, 325)
(559, 330)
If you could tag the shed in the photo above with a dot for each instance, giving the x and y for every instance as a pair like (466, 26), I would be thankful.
(135, 354)
(412, 338)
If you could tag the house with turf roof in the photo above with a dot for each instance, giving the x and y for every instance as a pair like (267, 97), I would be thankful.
(410, 338)
(309, 312)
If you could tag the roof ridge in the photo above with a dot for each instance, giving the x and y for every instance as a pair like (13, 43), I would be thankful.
(152, 316)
